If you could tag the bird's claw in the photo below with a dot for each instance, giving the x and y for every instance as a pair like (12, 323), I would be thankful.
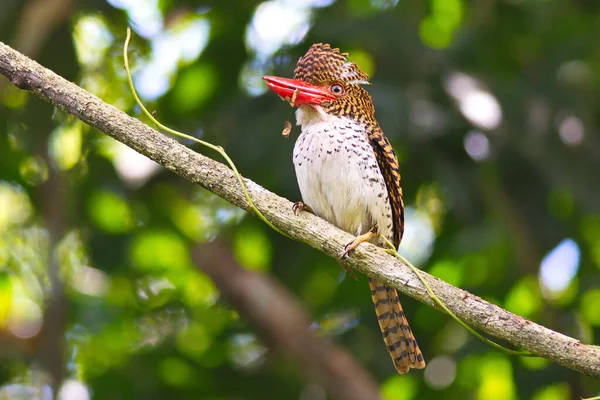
(302, 207)
(350, 247)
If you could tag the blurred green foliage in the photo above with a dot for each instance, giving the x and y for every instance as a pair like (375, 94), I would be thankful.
(491, 106)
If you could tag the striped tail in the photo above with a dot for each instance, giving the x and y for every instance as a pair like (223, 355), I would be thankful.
(397, 335)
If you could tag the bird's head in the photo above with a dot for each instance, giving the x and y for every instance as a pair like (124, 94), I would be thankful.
(325, 85)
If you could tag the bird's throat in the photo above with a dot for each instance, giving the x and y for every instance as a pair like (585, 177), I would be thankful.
(311, 114)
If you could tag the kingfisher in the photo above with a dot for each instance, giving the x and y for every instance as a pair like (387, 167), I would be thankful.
(348, 173)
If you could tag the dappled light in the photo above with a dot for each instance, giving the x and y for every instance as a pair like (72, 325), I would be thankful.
(90, 281)
(559, 268)
(133, 168)
(440, 372)
(336, 323)
(65, 145)
(524, 297)
(110, 212)
(246, 352)
(15, 206)
(277, 23)
(477, 105)
(495, 378)
(33, 170)
(181, 43)
(24, 318)
(419, 236)
(477, 145)
(402, 387)
(105, 290)
(570, 129)
(73, 390)
(439, 27)
(144, 15)
(92, 39)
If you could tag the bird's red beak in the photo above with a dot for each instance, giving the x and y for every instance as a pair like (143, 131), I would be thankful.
(298, 92)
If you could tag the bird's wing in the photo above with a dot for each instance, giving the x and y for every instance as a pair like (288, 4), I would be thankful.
(388, 164)
(394, 327)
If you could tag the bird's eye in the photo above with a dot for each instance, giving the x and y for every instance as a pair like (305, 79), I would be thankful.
(337, 89)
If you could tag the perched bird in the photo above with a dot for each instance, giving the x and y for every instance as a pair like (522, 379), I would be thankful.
(348, 172)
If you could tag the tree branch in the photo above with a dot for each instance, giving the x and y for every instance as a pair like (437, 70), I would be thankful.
(368, 259)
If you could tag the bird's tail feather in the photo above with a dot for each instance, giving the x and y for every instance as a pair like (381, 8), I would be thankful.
(396, 332)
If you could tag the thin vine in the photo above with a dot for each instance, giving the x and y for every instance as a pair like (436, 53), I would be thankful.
(392, 250)
(218, 149)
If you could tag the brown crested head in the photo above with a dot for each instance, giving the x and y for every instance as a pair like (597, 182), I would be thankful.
(324, 77)
(328, 68)
(323, 64)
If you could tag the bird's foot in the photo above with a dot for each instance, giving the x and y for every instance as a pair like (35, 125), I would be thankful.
(302, 207)
(360, 239)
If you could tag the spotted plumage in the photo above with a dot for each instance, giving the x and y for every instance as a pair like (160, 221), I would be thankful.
(348, 172)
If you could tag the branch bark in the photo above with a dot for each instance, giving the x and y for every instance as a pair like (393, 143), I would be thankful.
(368, 259)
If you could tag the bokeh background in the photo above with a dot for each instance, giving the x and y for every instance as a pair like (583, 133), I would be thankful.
(491, 105)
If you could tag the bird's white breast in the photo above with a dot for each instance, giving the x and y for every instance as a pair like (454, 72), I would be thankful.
(338, 174)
